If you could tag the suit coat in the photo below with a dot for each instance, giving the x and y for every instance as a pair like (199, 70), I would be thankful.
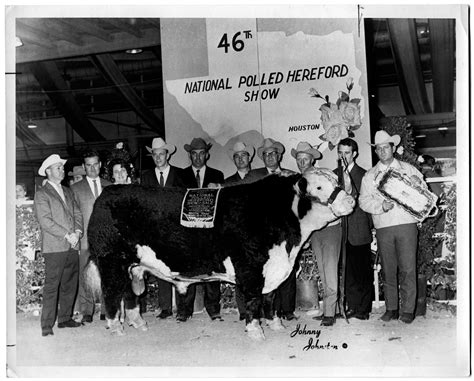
(211, 176)
(57, 218)
(174, 178)
(236, 179)
(85, 199)
(359, 222)
(259, 173)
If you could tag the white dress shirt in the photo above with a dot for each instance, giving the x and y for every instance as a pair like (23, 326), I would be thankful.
(202, 171)
(91, 185)
(165, 171)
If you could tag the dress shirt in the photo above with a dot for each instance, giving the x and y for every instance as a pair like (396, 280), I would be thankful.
(91, 185)
(165, 171)
(270, 171)
(370, 200)
(242, 174)
(202, 171)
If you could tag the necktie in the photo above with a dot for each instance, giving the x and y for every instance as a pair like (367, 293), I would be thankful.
(96, 190)
(198, 178)
(162, 180)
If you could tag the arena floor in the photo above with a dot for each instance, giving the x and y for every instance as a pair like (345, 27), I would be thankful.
(169, 349)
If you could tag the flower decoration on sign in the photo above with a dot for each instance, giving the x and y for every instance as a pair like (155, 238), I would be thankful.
(339, 119)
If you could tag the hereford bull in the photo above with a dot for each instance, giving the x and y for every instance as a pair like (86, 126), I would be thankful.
(258, 232)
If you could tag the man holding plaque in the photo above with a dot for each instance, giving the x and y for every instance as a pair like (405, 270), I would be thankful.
(199, 175)
(396, 230)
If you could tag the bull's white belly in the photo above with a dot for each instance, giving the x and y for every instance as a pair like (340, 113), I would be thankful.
(278, 267)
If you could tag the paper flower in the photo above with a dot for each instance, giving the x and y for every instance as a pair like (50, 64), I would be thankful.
(339, 119)
(400, 150)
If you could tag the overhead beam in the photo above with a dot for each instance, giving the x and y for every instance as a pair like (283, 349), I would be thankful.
(107, 66)
(88, 27)
(125, 26)
(53, 28)
(25, 134)
(52, 82)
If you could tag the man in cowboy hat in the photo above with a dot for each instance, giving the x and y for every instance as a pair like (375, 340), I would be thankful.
(199, 175)
(77, 174)
(396, 231)
(163, 175)
(61, 225)
(271, 153)
(359, 274)
(305, 156)
(242, 155)
(85, 192)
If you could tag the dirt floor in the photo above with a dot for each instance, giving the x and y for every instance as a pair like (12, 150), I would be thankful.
(428, 346)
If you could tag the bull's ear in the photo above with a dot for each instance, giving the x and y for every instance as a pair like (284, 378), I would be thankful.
(301, 185)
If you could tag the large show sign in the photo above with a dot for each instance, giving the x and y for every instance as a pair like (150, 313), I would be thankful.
(249, 79)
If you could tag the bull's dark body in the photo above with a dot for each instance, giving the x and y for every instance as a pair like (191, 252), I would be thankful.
(250, 220)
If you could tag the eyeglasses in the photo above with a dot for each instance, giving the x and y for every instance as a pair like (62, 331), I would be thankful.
(268, 154)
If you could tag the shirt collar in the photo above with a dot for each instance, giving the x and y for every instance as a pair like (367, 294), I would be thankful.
(165, 171)
(201, 170)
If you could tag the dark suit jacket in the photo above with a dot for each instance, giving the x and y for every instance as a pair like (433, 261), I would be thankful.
(236, 179)
(359, 222)
(85, 199)
(174, 178)
(211, 176)
(259, 173)
(57, 218)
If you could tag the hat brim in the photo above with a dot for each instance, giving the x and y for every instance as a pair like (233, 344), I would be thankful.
(249, 149)
(313, 152)
(169, 147)
(189, 148)
(395, 139)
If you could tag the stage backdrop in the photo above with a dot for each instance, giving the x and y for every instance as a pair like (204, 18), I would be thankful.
(249, 79)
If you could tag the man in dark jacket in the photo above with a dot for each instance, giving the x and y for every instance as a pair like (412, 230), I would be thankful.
(199, 175)
(242, 155)
(359, 274)
(164, 175)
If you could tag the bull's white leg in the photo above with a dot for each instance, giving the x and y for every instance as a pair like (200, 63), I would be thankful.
(122, 311)
(254, 331)
(275, 324)
(115, 326)
(135, 320)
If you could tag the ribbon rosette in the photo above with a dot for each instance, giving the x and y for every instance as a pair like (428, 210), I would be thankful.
(339, 119)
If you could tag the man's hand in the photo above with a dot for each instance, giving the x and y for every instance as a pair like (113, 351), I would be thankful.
(386, 206)
(73, 239)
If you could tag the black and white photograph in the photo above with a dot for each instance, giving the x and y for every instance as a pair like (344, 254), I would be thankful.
(237, 191)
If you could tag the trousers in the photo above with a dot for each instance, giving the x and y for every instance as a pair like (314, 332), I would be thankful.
(212, 299)
(359, 278)
(326, 245)
(60, 286)
(397, 246)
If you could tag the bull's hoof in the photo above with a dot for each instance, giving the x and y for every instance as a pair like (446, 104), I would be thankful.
(139, 324)
(275, 324)
(116, 328)
(254, 331)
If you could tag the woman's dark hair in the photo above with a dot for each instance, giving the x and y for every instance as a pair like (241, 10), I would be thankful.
(123, 164)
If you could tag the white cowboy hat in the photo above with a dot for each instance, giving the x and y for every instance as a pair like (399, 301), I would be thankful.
(48, 162)
(306, 148)
(382, 137)
(241, 147)
(268, 144)
(159, 143)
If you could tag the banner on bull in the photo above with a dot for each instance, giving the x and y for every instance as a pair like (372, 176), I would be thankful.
(199, 207)
(249, 79)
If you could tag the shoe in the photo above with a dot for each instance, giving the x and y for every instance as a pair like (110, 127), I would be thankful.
(102, 316)
(182, 318)
(389, 315)
(86, 319)
(361, 316)
(350, 313)
(69, 324)
(328, 321)
(217, 317)
(165, 314)
(289, 316)
(319, 317)
(406, 318)
(47, 332)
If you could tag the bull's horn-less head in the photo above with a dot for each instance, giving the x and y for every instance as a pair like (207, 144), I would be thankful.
(319, 185)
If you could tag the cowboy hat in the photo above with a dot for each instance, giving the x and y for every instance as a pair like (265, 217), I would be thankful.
(77, 170)
(382, 137)
(306, 148)
(241, 147)
(48, 162)
(268, 144)
(159, 143)
(197, 143)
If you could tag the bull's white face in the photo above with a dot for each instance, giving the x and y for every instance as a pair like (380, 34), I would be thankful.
(321, 184)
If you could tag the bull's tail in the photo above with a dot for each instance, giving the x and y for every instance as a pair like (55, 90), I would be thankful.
(92, 279)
